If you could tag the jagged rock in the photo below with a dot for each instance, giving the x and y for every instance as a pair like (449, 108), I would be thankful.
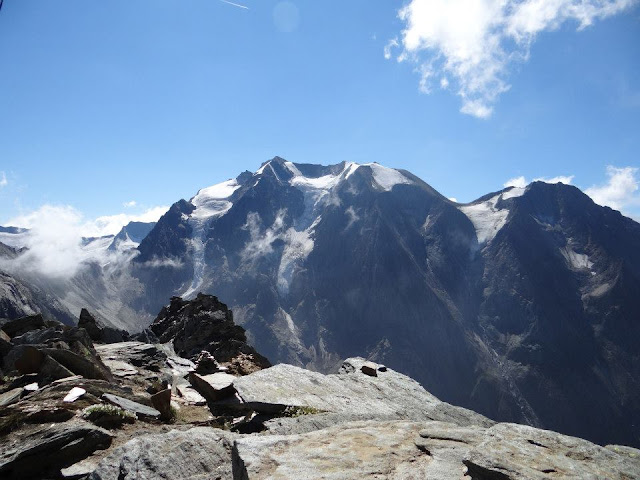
(389, 395)
(88, 366)
(99, 331)
(29, 359)
(17, 327)
(53, 370)
(214, 387)
(5, 344)
(196, 453)
(36, 452)
(204, 323)
(135, 407)
(12, 396)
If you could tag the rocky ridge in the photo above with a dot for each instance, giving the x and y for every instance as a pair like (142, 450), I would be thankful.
(143, 412)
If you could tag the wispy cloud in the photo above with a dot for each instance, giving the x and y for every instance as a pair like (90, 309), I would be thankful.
(54, 241)
(235, 4)
(474, 43)
(620, 192)
(130, 204)
(3, 180)
(48, 215)
(522, 182)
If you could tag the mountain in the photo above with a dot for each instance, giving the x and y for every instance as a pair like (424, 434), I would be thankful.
(522, 305)
(19, 298)
(131, 234)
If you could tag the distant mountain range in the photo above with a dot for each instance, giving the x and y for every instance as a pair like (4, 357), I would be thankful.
(522, 305)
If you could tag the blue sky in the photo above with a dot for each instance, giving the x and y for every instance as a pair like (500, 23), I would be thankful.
(107, 103)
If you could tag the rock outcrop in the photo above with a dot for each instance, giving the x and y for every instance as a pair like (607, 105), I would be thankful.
(99, 331)
(206, 324)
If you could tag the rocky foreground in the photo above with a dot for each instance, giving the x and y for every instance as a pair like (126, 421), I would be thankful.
(189, 398)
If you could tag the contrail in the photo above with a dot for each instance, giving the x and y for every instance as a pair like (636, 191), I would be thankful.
(235, 4)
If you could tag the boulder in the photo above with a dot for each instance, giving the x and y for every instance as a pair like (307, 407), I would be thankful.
(5, 344)
(370, 368)
(17, 327)
(99, 331)
(89, 366)
(53, 370)
(162, 402)
(200, 452)
(38, 452)
(214, 387)
(29, 359)
(134, 407)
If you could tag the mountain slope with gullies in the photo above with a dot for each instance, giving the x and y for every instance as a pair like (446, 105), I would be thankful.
(522, 304)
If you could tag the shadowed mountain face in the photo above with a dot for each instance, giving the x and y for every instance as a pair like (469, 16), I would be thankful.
(523, 305)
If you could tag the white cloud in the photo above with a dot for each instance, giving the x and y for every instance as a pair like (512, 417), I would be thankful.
(130, 204)
(620, 191)
(475, 42)
(3, 180)
(518, 182)
(390, 45)
(54, 240)
(48, 215)
(521, 181)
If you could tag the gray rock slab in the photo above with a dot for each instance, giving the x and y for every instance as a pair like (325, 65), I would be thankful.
(215, 386)
(512, 451)
(12, 396)
(37, 452)
(190, 395)
(388, 395)
(120, 368)
(198, 453)
(377, 450)
(135, 407)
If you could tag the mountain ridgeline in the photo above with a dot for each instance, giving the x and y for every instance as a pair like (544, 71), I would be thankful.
(522, 305)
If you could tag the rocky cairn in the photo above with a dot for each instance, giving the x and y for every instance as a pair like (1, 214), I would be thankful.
(189, 398)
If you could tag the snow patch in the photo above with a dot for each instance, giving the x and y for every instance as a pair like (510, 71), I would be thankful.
(386, 177)
(211, 202)
(513, 193)
(487, 219)
(579, 261)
